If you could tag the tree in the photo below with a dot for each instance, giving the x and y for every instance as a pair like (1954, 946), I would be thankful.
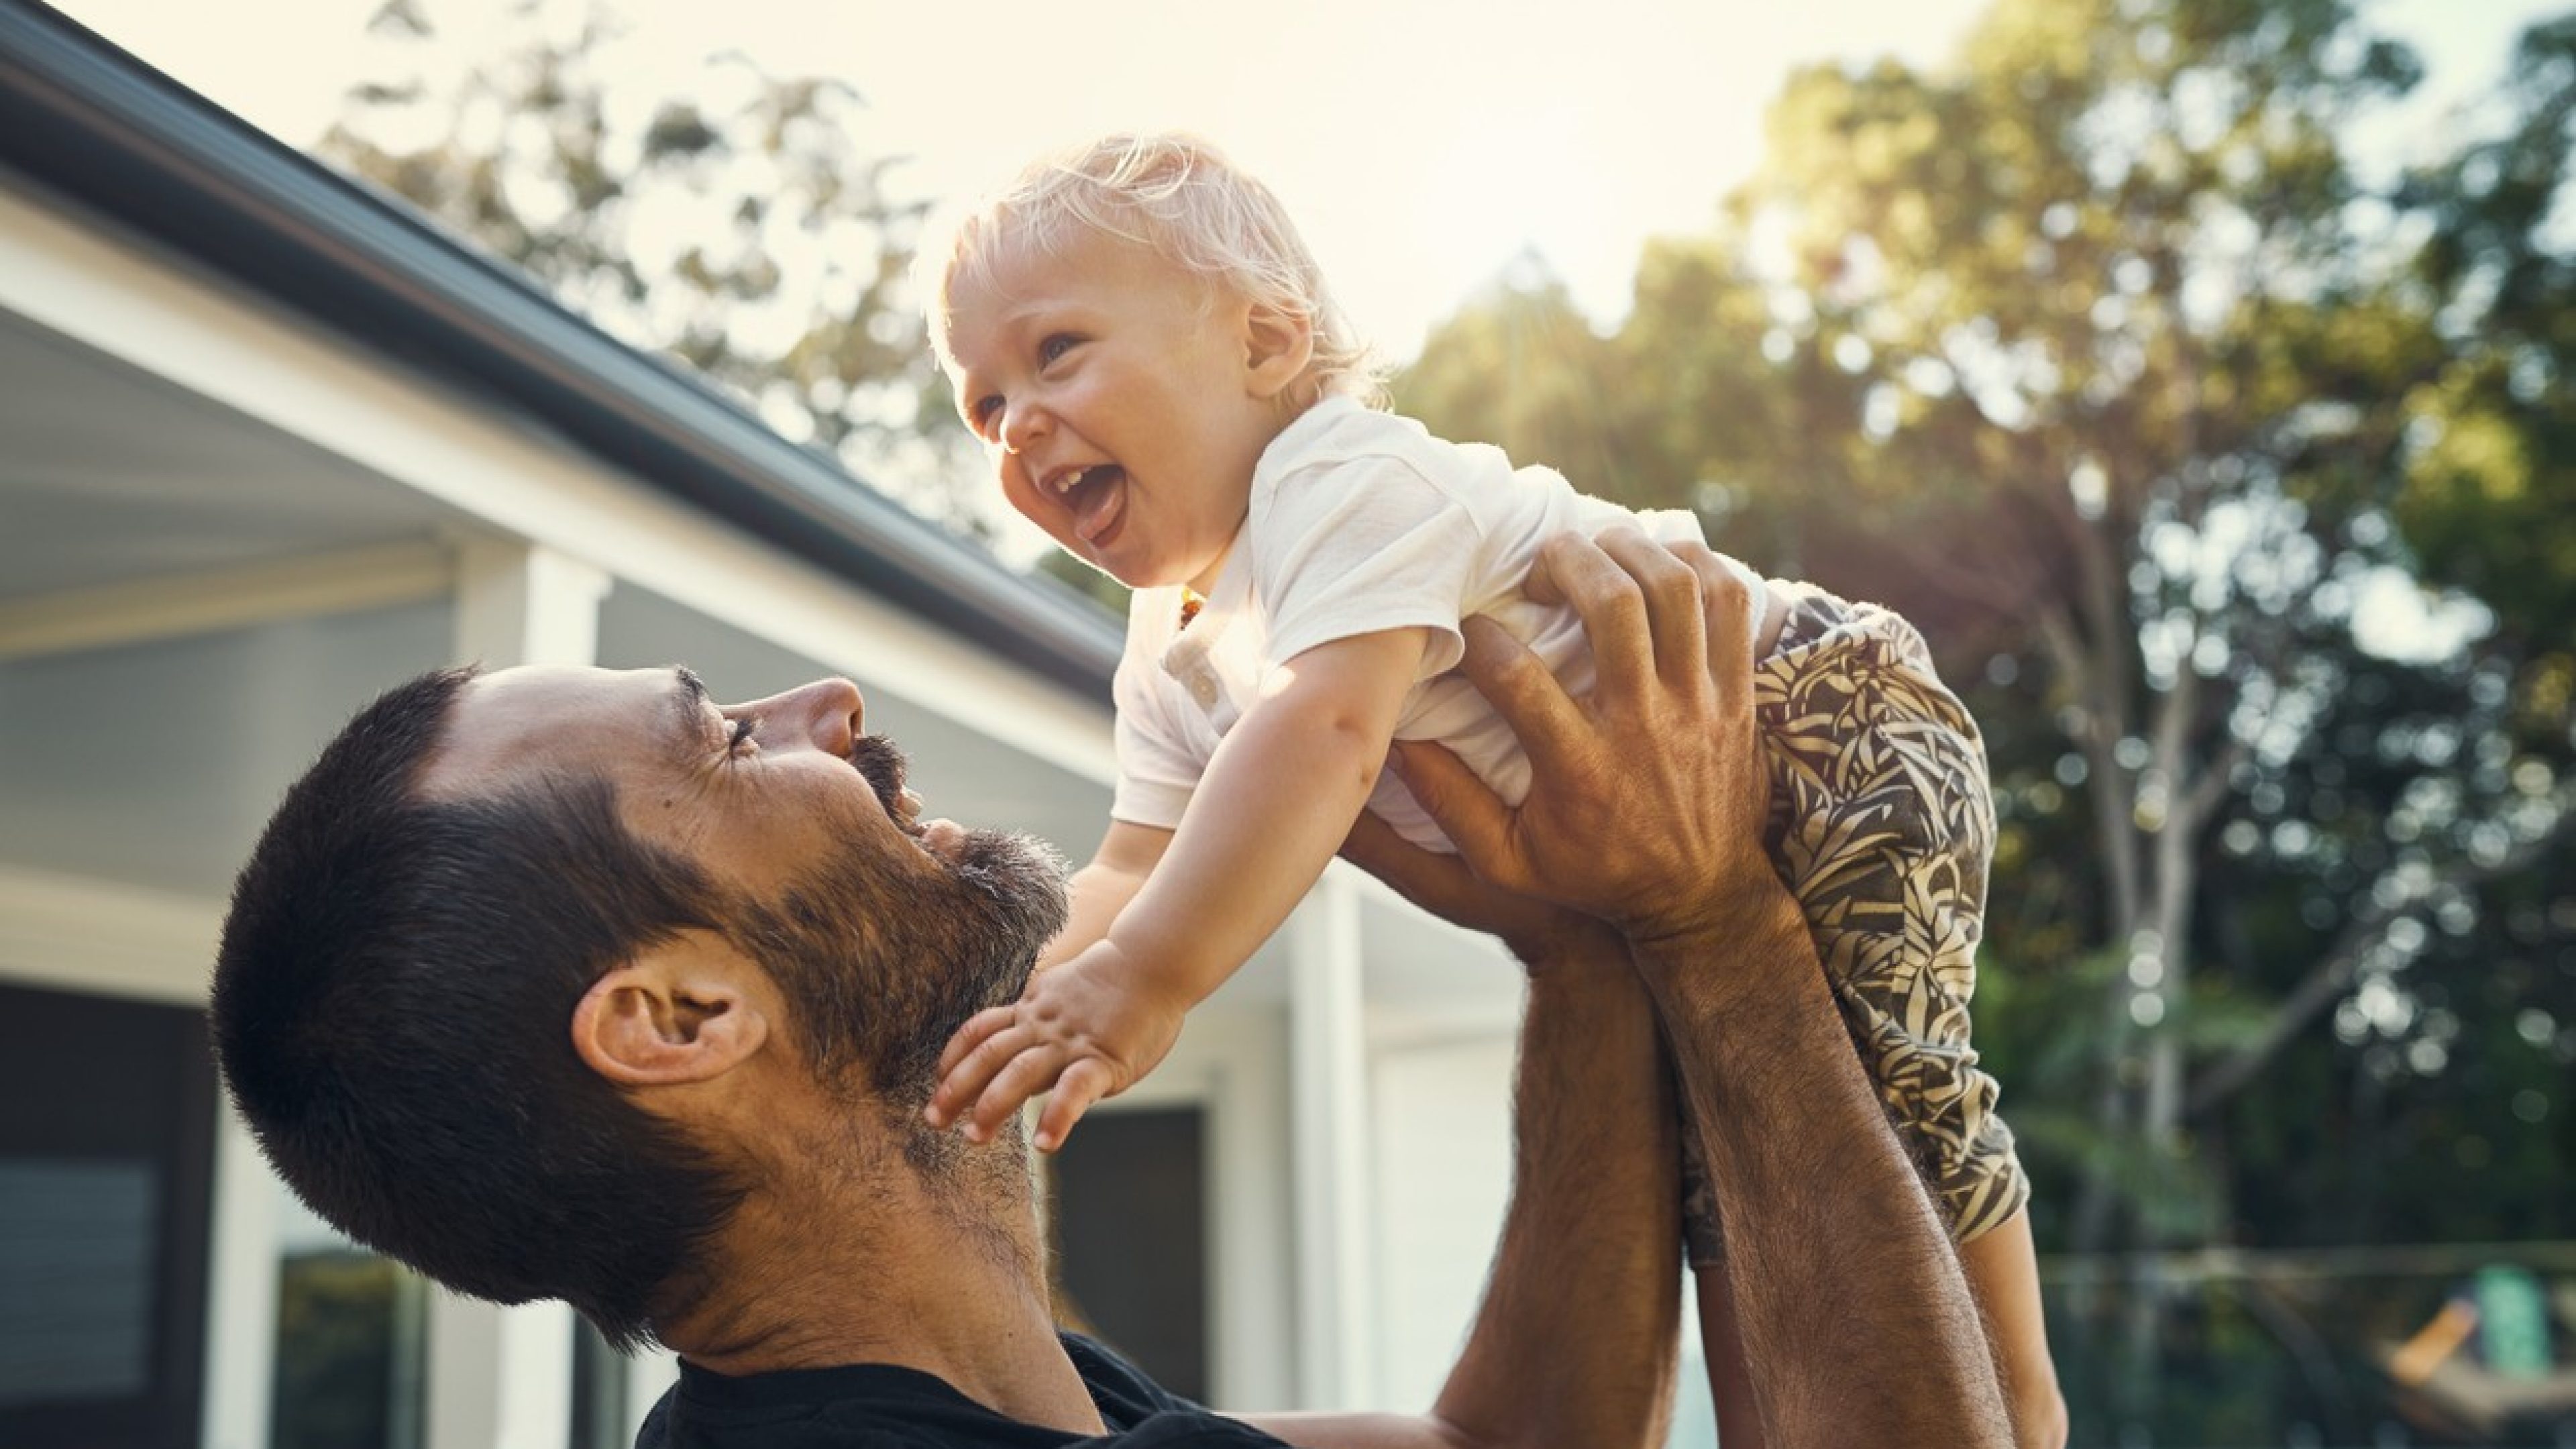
(743, 229)
(2228, 487)
(2115, 309)
(1521, 361)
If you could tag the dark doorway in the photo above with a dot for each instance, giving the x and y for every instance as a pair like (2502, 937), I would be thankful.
(107, 1118)
(1131, 1236)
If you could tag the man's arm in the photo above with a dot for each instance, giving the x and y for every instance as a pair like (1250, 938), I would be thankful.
(1645, 809)
(1855, 1316)
(1575, 1341)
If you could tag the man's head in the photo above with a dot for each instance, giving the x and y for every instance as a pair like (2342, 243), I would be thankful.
(504, 942)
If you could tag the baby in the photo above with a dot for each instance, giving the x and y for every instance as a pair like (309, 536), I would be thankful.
(1140, 337)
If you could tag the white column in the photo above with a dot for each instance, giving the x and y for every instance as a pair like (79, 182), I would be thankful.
(501, 1378)
(520, 603)
(648, 1375)
(1328, 1095)
(241, 1292)
(1252, 1304)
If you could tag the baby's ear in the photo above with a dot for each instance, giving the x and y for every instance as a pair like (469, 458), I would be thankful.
(1278, 344)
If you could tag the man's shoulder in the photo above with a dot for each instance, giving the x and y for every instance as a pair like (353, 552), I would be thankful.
(879, 1407)
(1142, 1414)
(668, 1426)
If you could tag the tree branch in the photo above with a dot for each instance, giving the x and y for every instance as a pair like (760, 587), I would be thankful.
(2327, 981)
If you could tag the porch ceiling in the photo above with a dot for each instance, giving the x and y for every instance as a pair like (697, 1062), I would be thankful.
(178, 741)
(109, 475)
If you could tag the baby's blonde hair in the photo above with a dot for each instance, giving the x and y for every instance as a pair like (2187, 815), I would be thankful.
(1181, 197)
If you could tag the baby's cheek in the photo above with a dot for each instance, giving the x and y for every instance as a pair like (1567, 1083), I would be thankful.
(1023, 498)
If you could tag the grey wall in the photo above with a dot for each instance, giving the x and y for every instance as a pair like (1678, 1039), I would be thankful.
(156, 764)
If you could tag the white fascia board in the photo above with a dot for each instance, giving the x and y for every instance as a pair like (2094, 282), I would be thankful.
(100, 289)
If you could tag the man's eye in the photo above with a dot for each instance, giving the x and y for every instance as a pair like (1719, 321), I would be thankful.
(742, 732)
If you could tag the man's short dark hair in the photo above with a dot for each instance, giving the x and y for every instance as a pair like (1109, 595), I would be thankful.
(392, 1007)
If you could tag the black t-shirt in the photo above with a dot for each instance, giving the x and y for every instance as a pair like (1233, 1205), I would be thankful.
(879, 1406)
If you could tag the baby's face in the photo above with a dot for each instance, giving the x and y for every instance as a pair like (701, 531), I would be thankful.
(1123, 405)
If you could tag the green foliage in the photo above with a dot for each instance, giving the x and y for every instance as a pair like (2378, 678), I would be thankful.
(1521, 367)
(2491, 495)
(744, 227)
(2235, 493)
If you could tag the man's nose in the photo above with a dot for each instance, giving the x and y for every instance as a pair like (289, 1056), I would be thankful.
(828, 714)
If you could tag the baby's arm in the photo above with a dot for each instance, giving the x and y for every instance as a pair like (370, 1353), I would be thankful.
(1102, 889)
(2003, 1274)
(1277, 800)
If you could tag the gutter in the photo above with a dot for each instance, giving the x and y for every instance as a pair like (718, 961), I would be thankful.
(95, 125)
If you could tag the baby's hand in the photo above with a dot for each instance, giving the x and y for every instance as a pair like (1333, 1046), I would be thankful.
(1087, 1029)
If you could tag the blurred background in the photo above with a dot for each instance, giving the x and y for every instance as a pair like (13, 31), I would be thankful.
(2193, 371)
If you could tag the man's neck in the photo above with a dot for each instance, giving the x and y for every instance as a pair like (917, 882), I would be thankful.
(942, 1273)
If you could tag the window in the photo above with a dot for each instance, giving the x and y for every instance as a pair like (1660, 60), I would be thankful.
(106, 1144)
(1130, 1220)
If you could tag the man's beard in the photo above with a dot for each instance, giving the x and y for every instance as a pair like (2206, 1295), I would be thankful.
(885, 950)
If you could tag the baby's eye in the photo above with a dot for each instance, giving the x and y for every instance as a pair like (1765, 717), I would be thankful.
(1056, 345)
(979, 414)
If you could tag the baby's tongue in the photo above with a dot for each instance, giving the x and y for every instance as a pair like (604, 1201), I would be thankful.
(1101, 502)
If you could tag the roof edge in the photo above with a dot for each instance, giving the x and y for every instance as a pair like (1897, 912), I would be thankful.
(95, 124)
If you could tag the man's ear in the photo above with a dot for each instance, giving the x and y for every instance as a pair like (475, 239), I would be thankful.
(1277, 345)
(683, 1011)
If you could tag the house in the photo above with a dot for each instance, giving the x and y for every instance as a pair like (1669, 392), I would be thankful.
(270, 442)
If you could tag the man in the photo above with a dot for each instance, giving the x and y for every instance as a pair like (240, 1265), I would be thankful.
(571, 983)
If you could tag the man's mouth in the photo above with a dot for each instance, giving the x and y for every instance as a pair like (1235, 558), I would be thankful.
(1095, 496)
(882, 765)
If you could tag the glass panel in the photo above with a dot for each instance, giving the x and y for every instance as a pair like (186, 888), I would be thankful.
(352, 1333)
(1130, 1219)
(77, 1253)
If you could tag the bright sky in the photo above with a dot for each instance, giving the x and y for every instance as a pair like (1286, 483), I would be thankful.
(1422, 144)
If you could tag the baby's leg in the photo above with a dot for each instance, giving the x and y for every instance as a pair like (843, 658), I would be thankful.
(1882, 825)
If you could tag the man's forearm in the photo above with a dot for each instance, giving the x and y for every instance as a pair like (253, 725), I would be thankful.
(1855, 1317)
(1575, 1341)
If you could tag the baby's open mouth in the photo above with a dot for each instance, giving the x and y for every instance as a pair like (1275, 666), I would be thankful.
(1096, 497)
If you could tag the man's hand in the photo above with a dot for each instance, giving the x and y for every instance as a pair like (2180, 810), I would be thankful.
(1646, 799)
(1539, 934)
(1081, 1031)
(1646, 807)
